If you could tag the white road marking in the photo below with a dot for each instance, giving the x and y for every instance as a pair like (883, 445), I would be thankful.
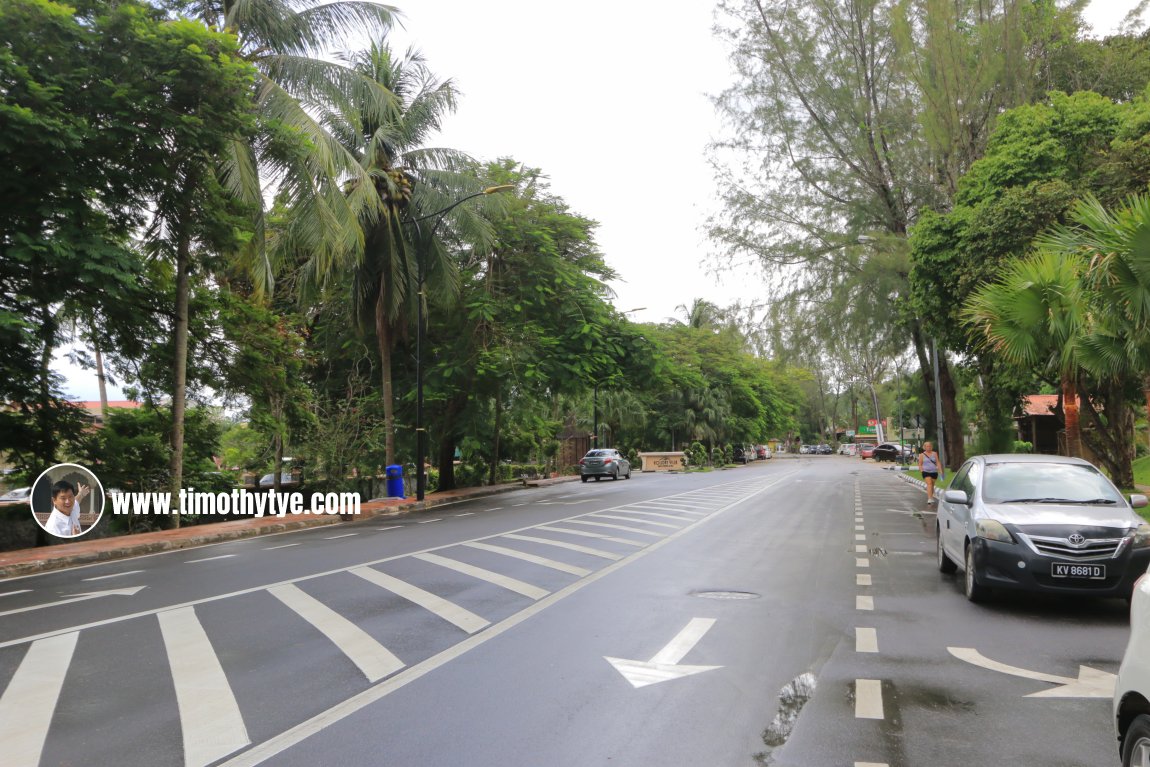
(128, 592)
(372, 658)
(866, 640)
(635, 521)
(27, 705)
(450, 612)
(210, 718)
(519, 504)
(871, 764)
(286, 545)
(589, 534)
(661, 507)
(208, 559)
(614, 527)
(861, 537)
(543, 561)
(630, 510)
(345, 535)
(106, 577)
(565, 545)
(663, 666)
(494, 508)
(868, 699)
(1091, 682)
(428, 521)
(21, 591)
(860, 548)
(862, 579)
(864, 603)
(466, 514)
(511, 584)
(393, 527)
(859, 528)
(862, 563)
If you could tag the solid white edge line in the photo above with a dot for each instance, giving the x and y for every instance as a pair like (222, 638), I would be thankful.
(280, 743)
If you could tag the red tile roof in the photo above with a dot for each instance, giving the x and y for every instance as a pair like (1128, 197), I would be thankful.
(1039, 404)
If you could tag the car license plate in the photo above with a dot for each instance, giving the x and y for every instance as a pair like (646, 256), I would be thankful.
(1067, 570)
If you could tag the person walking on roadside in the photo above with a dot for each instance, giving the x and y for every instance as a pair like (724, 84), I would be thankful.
(928, 465)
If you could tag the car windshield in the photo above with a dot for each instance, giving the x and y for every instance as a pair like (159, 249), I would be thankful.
(1047, 483)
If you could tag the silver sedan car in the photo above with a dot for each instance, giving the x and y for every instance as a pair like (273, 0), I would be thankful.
(1040, 523)
(604, 463)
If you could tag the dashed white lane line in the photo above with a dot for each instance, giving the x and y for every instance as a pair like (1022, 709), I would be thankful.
(864, 603)
(494, 508)
(860, 537)
(862, 579)
(871, 764)
(868, 699)
(10, 593)
(466, 514)
(209, 559)
(862, 563)
(859, 528)
(106, 577)
(345, 535)
(866, 640)
(393, 527)
(286, 545)
(860, 548)
(428, 521)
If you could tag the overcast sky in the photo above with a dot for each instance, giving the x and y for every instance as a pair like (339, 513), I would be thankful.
(609, 98)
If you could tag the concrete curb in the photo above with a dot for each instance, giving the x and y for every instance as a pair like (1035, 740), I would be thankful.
(47, 558)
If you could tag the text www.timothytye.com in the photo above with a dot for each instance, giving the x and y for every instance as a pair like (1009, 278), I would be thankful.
(241, 502)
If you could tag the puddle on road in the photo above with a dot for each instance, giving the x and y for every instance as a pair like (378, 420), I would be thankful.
(792, 698)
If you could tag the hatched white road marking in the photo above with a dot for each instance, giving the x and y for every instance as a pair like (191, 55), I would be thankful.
(590, 534)
(630, 510)
(651, 533)
(210, 718)
(543, 561)
(564, 545)
(504, 581)
(372, 658)
(635, 521)
(450, 612)
(27, 706)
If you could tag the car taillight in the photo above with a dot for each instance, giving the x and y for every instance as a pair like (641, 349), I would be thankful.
(608, 460)
(582, 462)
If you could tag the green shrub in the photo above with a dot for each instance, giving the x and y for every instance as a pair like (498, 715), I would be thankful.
(1022, 447)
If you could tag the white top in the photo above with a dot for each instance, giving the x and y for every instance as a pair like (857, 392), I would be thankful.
(64, 524)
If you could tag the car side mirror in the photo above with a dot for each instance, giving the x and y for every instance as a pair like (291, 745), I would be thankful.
(957, 497)
(1139, 501)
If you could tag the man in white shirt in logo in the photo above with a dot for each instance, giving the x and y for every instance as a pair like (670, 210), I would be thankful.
(65, 518)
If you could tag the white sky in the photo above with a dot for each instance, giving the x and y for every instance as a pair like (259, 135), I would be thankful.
(609, 100)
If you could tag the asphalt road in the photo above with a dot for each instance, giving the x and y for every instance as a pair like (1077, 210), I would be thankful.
(787, 613)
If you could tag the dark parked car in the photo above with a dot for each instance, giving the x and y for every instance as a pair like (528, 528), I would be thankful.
(889, 451)
(1040, 523)
(604, 463)
(739, 454)
(824, 449)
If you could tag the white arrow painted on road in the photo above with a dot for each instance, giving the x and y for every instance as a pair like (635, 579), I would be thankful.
(79, 598)
(1091, 683)
(663, 666)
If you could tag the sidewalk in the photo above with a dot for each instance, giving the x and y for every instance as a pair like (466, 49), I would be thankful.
(83, 552)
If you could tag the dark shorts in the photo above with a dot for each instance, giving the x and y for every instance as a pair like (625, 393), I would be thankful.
(931, 474)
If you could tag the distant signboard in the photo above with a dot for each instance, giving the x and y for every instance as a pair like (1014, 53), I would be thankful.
(867, 429)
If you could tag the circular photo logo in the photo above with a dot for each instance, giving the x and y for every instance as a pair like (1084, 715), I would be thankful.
(67, 500)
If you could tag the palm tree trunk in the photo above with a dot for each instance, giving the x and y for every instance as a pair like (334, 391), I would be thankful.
(1070, 414)
(1146, 394)
(495, 450)
(383, 338)
(179, 392)
(951, 418)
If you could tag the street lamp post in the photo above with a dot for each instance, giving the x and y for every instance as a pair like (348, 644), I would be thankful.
(421, 330)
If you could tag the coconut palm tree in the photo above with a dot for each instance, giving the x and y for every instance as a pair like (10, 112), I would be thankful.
(412, 182)
(1036, 315)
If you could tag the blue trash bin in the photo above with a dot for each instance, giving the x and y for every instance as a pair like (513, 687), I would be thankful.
(395, 481)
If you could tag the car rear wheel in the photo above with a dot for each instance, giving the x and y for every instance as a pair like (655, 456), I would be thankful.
(945, 565)
(615, 476)
(584, 478)
(598, 477)
(1136, 745)
(975, 592)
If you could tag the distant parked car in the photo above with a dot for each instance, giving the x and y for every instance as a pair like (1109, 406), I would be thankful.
(1132, 687)
(866, 451)
(1041, 523)
(267, 481)
(824, 449)
(847, 448)
(604, 462)
(890, 451)
(19, 495)
(739, 454)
